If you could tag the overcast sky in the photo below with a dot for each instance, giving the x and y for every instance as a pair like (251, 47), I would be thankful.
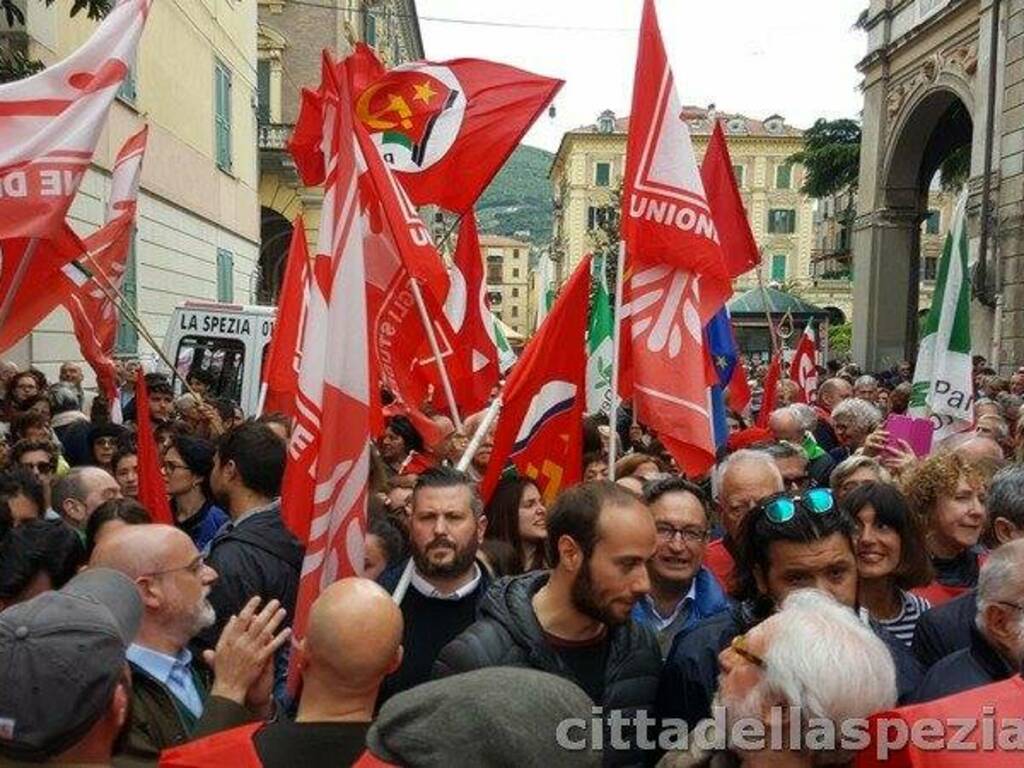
(796, 58)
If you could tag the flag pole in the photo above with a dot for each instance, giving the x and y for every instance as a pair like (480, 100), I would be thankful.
(117, 298)
(428, 326)
(19, 278)
(262, 399)
(613, 412)
(768, 308)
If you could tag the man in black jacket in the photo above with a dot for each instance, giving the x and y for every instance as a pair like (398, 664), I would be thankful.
(254, 554)
(776, 555)
(575, 621)
(997, 637)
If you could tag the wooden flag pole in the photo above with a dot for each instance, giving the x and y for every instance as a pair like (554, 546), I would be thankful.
(613, 412)
(19, 278)
(768, 309)
(428, 326)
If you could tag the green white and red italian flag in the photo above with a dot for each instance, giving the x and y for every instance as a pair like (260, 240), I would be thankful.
(943, 374)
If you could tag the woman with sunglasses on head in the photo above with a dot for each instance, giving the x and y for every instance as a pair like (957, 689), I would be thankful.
(891, 558)
(786, 543)
(187, 463)
(947, 494)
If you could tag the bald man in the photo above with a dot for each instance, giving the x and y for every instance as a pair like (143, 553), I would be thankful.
(174, 700)
(830, 394)
(353, 641)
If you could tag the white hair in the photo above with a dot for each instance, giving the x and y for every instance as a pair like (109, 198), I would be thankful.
(742, 457)
(824, 660)
(1001, 579)
(805, 415)
(863, 414)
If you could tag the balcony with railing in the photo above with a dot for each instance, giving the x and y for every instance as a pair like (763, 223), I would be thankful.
(273, 136)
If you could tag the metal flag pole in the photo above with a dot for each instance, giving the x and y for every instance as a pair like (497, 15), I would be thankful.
(428, 326)
(116, 297)
(613, 412)
(768, 309)
(18, 279)
(467, 456)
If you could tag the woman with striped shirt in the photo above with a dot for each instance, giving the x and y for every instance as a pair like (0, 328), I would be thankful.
(891, 558)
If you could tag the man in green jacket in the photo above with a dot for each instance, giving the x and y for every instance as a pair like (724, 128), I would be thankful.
(173, 699)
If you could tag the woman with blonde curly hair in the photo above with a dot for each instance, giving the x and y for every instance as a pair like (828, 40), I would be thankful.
(947, 495)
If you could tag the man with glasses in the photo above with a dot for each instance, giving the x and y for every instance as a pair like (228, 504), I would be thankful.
(40, 456)
(791, 460)
(174, 700)
(683, 592)
(996, 648)
(787, 542)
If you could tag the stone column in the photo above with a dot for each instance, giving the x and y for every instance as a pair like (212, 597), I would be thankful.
(886, 244)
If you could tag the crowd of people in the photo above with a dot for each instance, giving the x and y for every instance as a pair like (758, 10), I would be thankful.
(821, 572)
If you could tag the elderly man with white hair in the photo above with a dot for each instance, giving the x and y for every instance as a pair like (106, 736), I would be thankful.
(781, 673)
(853, 420)
(997, 637)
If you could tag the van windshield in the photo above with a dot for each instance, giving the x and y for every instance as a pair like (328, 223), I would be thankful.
(221, 360)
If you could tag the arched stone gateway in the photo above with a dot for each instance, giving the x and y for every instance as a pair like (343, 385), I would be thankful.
(929, 79)
(275, 237)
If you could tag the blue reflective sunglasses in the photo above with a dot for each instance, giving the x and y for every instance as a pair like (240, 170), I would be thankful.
(782, 508)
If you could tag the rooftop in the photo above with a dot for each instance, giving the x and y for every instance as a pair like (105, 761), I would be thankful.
(500, 241)
(701, 122)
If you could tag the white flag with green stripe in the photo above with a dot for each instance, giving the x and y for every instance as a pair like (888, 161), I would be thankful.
(943, 388)
(506, 356)
(599, 344)
(546, 291)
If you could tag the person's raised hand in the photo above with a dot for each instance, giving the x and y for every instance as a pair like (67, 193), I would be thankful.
(898, 458)
(874, 444)
(245, 650)
(211, 416)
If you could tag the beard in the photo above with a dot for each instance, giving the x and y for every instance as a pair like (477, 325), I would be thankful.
(458, 565)
(585, 599)
(747, 708)
(202, 616)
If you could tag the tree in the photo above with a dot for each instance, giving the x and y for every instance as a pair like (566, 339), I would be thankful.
(840, 339)
(14, 62)
(831, 155)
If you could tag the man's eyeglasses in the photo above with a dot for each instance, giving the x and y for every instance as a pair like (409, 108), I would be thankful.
(172, 466)
(1015, 606)
(193, 567)
(782, 508)
(667, 533)
(739, 647)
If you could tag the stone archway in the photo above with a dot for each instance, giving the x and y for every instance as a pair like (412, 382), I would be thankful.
(928, 127)
(275, 237)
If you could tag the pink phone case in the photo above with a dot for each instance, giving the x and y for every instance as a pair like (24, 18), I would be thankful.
(917, 432)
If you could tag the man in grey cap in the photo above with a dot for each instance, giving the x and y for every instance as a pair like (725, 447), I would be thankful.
(64, 683)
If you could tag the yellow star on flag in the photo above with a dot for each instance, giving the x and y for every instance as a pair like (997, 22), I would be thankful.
(424, 92)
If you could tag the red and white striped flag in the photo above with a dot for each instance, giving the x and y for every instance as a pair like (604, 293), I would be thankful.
(50, 123)
(325, 484)
(804, 368)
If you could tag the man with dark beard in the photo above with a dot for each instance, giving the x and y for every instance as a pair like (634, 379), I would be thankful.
(446, 526)
(575, 622)
(172, 699)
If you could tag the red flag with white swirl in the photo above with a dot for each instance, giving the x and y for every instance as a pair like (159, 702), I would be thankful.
(804, 368)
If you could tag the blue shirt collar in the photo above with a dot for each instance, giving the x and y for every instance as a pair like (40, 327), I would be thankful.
(158, 665)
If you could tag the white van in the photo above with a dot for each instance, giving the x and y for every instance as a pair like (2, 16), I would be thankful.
(227, 341)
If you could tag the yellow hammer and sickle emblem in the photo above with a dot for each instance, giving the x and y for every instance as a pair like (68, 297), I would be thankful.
(375, 120)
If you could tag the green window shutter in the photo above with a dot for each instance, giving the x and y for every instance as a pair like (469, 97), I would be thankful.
(127, 340)
(263, 91)
(931, 225)
(602, 174)
(222, 114)
(369, 29)
(783, 176)
(127, 90)
(782, 221)
(225, 276)
(737, 173)
(779, 268)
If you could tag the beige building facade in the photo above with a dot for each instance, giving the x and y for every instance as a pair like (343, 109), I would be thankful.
(587, 173)
(290, 38)
(197, 235)
(507, 264)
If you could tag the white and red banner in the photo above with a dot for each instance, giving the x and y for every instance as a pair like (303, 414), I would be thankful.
(85, 287)
(50, 123)
(470, 316)
(675, 278)
(325, 485)
(804, 367)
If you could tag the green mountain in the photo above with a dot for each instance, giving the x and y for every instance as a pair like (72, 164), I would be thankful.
(519, 198)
